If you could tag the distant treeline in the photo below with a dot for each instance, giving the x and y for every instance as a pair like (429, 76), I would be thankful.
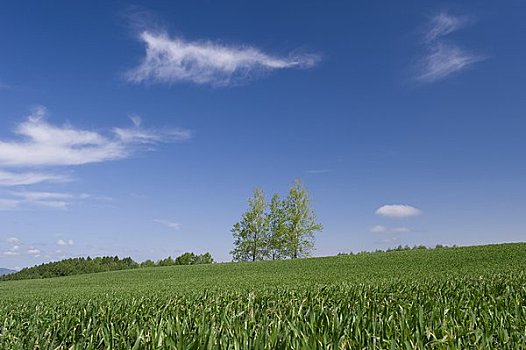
(78, 266)
(401, 248)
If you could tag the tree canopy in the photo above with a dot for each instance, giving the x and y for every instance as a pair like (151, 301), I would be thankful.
(281, 229)
(77, 266)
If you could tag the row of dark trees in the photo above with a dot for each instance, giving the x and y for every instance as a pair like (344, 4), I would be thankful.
(183, 259)
(78, 266)
(281, 229)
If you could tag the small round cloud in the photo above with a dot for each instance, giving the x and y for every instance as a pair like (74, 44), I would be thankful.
(398, 211)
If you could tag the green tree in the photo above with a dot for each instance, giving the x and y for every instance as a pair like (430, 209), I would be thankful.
(205, 258)
(250, 234)
(277, 225)
(185, 259)
(148, 263)
(300, 222)
(166, 262)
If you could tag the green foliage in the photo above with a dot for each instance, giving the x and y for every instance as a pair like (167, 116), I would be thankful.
(286, 230)
(73, 266)
(193, 259)
(455, 298)
(78, 266)
(277, 229)
(251, 233)
(300, 223)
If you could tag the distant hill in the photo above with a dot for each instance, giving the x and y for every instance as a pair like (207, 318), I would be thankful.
(78, 266)
(5, 271)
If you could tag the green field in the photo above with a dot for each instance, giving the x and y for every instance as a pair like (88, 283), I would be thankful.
(454, 298)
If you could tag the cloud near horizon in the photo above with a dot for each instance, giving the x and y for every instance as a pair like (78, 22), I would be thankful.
(398, 211)
(171, 60)
(442, 59)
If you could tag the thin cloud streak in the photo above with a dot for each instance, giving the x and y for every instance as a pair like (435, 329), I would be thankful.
(13, 200)
(29, 178)
(444, 24)
(384, 229)
(173, 225)
(442, 59)
(171, 60)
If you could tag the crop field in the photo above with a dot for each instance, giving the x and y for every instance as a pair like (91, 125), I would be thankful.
(455, 298)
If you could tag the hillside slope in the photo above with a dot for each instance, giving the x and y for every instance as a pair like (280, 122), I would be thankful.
(370, 268)
(455, 298)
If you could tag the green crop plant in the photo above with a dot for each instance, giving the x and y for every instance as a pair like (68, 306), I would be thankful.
(457, 298)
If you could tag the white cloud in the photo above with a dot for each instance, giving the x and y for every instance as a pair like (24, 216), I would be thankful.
(58, 200)
(384, 229)
(44, 144)
(174, 225)
(443, 59)
(33, 251)
(398, 210)
(401, 229)
(378, 229)
(45, 199)
(63, 243)
(444, 24)
(11, 253)
(29, 178)
(170, 60)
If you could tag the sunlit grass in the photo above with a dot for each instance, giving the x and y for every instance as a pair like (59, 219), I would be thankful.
(448, 298)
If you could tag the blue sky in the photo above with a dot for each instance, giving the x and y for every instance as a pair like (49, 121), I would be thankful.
(141, 129)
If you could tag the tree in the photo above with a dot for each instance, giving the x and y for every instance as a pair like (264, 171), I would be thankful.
(166, 262)
(300, 222)
(250, 234)
(277, 225)
(148, 263)
(185, 259)
(205, 258)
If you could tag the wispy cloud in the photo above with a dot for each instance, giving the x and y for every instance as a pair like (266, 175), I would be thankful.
(29, 178)
(398, 210)
(12, 200)
(443, 24)
(442, 59)
(390, 240)
(384, 229)
(43, 144)
(63, 243)
(173, 225)
(45, 199)
(150, 136)
(172, 60)
(11, 253)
